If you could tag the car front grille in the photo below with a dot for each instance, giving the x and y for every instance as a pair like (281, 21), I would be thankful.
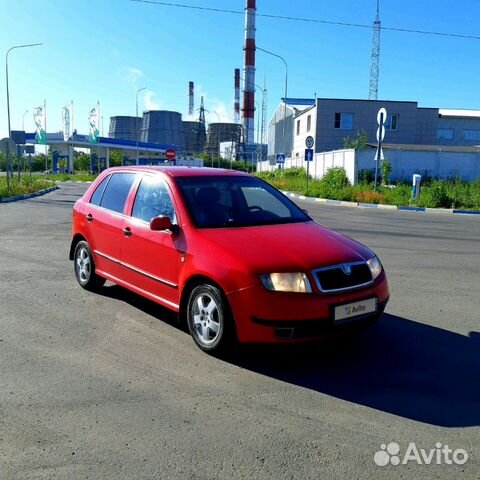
(346, 276)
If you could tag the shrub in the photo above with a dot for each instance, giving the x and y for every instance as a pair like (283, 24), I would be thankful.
(366, 176)
(295, 172)
(400, 195)
(369, 196)
(336, 177)
(334, 183)
(386, 171)
(435, 196)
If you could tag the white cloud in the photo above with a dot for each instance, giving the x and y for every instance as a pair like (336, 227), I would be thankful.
(133, 75)
(149, 102)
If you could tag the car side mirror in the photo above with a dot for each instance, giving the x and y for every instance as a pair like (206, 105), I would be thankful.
(162, 223)
(305, 211)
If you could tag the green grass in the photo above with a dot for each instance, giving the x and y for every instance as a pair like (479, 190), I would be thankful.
(78, 177)
(24, 186)
(436, 194)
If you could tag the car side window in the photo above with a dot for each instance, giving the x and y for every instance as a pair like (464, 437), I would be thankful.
(116, 191)
(98, 193)
(153, 200)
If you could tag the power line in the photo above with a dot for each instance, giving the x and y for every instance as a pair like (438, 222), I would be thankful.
(310, 20)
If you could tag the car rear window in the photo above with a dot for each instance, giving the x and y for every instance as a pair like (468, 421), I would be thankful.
(116, 191)
(98, 193)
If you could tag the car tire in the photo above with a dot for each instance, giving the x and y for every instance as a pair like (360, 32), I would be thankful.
(209, 319)
(84, 268)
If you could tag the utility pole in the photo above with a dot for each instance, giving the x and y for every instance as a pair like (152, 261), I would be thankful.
(201, 133)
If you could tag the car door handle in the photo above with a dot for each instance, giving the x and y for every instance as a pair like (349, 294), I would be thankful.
(127, 232)
(89, 217)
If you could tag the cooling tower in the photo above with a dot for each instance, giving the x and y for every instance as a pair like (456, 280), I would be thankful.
(221, 132)
(195, 136)
(124, 128)
(164, 127)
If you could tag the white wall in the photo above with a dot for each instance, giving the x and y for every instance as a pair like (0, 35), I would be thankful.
(405, 163)
(439, 164)
(320, 164)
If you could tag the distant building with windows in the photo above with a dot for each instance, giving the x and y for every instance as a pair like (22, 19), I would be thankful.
(330, 121)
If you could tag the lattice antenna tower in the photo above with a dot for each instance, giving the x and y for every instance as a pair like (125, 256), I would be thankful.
(375, 60)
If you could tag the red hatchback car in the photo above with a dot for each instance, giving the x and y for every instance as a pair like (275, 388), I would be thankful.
(234, 256)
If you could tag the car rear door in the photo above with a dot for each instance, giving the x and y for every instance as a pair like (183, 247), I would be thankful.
(105, 218)
(150, 259)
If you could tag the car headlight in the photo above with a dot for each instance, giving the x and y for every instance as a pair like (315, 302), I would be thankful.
(375, 267)
(286, 282)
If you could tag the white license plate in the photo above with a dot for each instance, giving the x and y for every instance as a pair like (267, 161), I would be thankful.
(355, 309)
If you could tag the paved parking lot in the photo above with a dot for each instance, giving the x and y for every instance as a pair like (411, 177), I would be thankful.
(106, 387)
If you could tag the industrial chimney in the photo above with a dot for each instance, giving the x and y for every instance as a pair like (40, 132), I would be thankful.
(249, 73)
(190, 98)
(236, 103)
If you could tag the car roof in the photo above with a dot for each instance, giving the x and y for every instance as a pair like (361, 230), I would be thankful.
(181, 171)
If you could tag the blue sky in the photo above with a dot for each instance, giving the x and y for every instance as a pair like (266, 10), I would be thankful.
(105, 49)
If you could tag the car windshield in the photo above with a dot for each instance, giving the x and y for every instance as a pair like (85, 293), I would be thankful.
(236, 201)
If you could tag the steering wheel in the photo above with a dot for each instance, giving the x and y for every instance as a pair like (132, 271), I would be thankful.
(255, 208)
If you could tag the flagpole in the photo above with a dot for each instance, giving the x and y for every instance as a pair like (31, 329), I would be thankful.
(98, 146)
(46, 139)
(71, 166)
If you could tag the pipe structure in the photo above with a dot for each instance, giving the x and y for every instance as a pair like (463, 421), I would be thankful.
(249, 73)
(190, 98)
(236, 103)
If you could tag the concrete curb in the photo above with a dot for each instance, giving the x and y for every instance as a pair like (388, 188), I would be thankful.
(28, 195)
(380, 206)
(73, 181)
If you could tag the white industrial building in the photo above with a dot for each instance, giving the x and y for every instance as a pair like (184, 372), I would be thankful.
(330, 121)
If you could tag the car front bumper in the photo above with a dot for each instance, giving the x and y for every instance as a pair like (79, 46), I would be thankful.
(262, 316)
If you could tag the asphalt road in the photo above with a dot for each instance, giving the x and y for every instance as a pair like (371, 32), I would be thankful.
(106, 387)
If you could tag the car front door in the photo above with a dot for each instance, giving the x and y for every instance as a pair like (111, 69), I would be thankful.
(105, 218)
(150, 259)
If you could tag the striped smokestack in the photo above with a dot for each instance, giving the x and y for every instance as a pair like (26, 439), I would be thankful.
(190, 98)
(236, 104)
(249, 73)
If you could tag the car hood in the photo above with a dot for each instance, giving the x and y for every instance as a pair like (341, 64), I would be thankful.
(286, 247)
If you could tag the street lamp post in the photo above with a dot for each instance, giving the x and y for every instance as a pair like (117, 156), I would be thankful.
(286, 92)
(136, 121)
(23, 120)
(8, 99)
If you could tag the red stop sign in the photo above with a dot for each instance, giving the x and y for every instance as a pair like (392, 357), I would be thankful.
(171, 154)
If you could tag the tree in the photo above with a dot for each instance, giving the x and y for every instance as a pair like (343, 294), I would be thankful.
(358, 143)
(82, 162)
(115, 158)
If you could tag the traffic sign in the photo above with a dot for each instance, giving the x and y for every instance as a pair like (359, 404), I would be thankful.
(7, 144)
(280, 158)
(309, 155)
(379, 115)
(381, 118)
(379, 154)
(171, 154)
(309, 142)
(380, 133)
